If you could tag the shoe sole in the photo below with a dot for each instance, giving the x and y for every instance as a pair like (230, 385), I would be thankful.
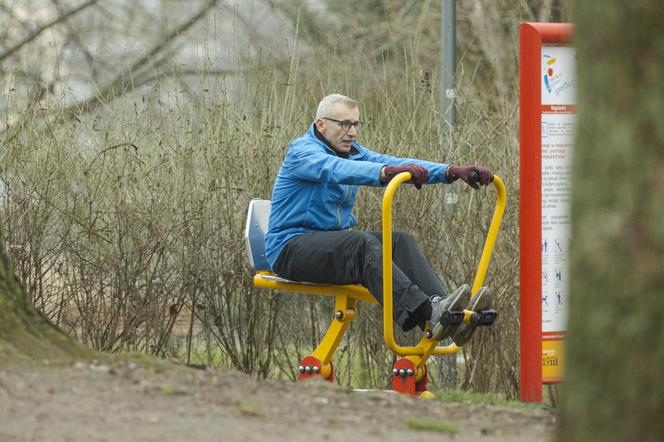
(461, 298)
(481, 301)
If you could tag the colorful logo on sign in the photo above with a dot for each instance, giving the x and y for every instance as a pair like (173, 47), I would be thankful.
(555, 80)
(549, 63)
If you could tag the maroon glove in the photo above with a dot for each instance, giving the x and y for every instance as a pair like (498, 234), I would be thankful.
(418, 173)
(471, 175)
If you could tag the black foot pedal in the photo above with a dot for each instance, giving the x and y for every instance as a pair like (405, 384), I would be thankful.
(486, 317)
(452, 317)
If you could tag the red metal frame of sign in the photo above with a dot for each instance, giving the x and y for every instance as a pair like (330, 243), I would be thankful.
(532, 36)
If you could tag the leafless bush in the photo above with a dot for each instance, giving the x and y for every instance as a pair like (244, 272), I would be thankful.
(125, 219)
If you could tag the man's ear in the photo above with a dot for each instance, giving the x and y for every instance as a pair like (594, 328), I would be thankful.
(319, 124)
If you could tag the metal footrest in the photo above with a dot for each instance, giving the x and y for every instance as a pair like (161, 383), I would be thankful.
(486, 317)
(452, 317)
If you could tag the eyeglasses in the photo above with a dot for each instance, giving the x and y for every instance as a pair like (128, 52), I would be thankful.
(346, 124)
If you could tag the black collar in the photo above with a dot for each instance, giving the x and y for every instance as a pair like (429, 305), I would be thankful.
(339, 154)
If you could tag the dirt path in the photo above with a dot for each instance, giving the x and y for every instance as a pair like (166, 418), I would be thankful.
(128, 402)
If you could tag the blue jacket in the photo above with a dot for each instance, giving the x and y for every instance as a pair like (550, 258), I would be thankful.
(315, 188)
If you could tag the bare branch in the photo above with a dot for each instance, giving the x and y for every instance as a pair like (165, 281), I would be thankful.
(48, 25)
(185, 72)
(123, 81)
(75, 40)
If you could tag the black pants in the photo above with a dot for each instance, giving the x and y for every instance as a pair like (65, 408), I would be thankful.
(350, 257)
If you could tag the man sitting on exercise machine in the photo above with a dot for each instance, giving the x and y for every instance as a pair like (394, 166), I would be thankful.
(309, 240)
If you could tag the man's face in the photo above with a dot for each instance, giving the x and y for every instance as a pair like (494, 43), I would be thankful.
(338, 138)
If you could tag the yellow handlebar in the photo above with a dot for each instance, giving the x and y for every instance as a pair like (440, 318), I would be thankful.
(422, 349)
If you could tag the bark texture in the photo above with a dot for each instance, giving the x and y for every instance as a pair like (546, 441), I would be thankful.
(25, 334)
(613, 388)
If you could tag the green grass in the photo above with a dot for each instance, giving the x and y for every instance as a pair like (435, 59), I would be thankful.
(439, 426)
(463, 396)
(472, 397)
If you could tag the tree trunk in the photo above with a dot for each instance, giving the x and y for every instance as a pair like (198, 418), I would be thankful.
(613, 387)
(24, 332)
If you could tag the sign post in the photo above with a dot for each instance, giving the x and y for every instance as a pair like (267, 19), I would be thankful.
(547, 75)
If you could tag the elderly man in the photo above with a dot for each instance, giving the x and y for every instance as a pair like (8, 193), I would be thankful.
(312, 211)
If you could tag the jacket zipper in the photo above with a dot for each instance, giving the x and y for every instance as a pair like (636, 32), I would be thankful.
(346, 192)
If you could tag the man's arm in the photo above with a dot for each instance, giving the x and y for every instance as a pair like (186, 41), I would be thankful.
(310, 162)
(435, 171)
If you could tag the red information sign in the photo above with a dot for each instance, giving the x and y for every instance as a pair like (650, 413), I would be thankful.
(547, 107)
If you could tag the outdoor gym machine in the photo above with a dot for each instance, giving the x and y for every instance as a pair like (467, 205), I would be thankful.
(409, 372)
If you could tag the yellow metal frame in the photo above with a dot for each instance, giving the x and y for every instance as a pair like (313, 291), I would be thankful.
(344, 311)
(347, 295)
(427, 346)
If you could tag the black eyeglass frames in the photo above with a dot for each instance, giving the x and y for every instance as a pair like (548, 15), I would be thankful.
(346, 124)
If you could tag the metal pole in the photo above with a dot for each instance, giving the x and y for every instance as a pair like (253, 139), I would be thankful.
(448, 62)
(447, 367)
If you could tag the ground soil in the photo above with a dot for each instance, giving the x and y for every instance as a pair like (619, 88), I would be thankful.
(135, 401)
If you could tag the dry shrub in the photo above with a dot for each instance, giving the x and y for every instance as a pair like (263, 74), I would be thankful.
(126, 223)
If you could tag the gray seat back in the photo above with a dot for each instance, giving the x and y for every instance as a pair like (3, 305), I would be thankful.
(254, 233)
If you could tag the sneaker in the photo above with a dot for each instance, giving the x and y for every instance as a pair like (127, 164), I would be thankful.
(480, 301)
(455, 301)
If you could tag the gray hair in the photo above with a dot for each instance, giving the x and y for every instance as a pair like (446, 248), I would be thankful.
(326, 105)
